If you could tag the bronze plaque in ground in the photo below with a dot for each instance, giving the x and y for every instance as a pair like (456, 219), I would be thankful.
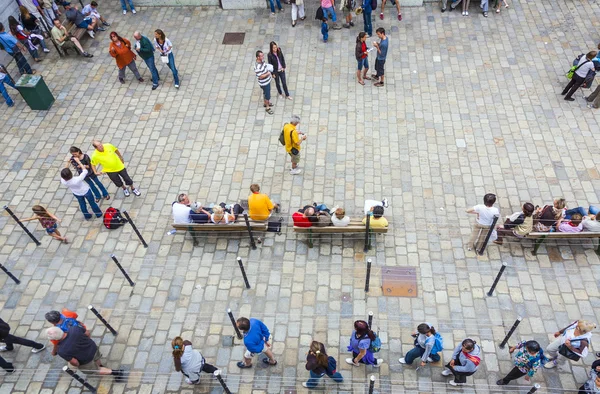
(399, 281)
(234, 38)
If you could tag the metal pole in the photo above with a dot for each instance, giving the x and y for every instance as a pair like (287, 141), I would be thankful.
(487, 237)
(135, 229)
(10, 212)
(368, 279)
(239, 260)
(10, 275)
(535, 388)
(114, 258)
(103, 320)
(372, 384)
(252, 243)
(220, 379)
(370, 320)
(235, 327)
(368, 225)
(489, 293)
(79, 379)
(512, 330)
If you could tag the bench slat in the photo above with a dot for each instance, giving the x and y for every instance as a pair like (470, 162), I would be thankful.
(339, 230)
(558, 235)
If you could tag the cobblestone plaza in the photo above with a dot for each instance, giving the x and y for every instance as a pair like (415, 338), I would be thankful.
(470, 105)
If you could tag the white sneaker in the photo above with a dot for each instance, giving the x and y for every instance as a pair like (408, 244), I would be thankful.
(126, 192)
(385, 203)
(124, 12)
(350, 361)
(91, 33)
(34, 350)
(550, 364)
(453, 383)
(136, 192)
(379, 363)
(466, 13)
(3, 349)
(133, 11)
(402, 361)
(46, 50)
(188, 381)
(446, 372)
(296, 171)
(429, 360)
(463, 13)
(177, 86)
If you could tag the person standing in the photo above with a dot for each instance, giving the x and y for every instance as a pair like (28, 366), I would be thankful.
(527, 360)
(573, 340)
(485, 217)
(145, 49)
(113, 164)
(382, 49)
(362, 57)
(11, 340)
(66, 42)
(272, 5)
(120, 49)
(581, 71)
(190, 362)
(165, 47)
(81, 190)
(5, 79)
(320, 364)
(14, 48)
(297, 11)
(78, 159)
(264, 73)
(293, 138)
(368, 6)
(394, 2)
(131, 6)
(277, 60)
(328, 7)
(465, 362)
(256, 340)
(348, 7)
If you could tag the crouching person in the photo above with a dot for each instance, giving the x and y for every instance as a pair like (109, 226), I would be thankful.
(189, 361)
(465, 361)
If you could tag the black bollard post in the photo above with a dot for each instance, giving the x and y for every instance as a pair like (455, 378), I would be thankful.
(512, 330)
(114, 258)
(10, 212)
(368, 279)
(535, 388)
(135, 229)
(489, 293)
(10, 275)
(235, 327)
(367, 234)
(252, 243)
(487, 237)
(103, 320)
(223, 384)
(239, 260)
(370, 320)
(372, 384)
(78, 378)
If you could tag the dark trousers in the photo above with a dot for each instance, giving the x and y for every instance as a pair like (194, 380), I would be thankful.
(504, 232)
(89, 197)
(514, 373)
(11, 340)
(208, 369)
(116, 177)
(573, 85)
(459, 377)
(583, 390)
(24, 67)
(281, 76)
(8, 367)
(368, 23)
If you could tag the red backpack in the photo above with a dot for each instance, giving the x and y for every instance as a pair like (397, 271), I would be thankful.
(113, 218)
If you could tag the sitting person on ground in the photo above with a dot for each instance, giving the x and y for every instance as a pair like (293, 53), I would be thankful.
(181, 209)
(339, 218)
(570, 226)
(260, 206)
(377, 220)
(198, 214)
(305, 217)
(544, 219)
(92, 10)
(369, 204)
(519, 224)
(78, 19)
(590, 223)
(220, 216)
(64, 321)
(485, 217)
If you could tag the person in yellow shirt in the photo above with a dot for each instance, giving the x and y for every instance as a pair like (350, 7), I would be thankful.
(111, 160)
(259, 204)
(377, 220)
(293, 139)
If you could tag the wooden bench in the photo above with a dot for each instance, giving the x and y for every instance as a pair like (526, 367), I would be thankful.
(243, 223)
(355, 226)
(541, 237)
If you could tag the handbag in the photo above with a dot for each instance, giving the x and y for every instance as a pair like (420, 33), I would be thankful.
(274, 226)
(572, 70)
(164, 59)
(564, 351)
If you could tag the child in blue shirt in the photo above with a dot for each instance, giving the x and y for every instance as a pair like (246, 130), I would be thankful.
(325, 30)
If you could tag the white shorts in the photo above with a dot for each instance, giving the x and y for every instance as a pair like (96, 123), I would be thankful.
(248, 354)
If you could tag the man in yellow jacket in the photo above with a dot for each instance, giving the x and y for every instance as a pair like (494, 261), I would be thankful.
(293, 139)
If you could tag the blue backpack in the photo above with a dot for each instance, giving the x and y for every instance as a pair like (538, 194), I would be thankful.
(375, 344)
(438, 345)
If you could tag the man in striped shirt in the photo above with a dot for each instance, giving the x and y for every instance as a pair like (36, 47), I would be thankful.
(263, 73)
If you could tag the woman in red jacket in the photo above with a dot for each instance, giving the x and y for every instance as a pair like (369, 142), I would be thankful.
(120, 49)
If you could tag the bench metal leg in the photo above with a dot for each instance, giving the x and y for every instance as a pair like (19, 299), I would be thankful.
(538, 243)
(310, 238)
(371, 235)
(195, 237)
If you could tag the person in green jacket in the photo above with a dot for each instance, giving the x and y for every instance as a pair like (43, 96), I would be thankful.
(145, 49)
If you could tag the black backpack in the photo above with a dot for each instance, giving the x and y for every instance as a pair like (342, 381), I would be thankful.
(4, 329)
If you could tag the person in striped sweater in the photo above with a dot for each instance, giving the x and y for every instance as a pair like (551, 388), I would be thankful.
(264, 74)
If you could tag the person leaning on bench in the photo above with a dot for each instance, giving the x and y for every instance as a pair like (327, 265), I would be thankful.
(377, 220)
(185, 212)
(65, 40)
(305, 217)
(519, 224)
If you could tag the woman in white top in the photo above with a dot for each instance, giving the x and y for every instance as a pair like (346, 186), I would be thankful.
(583, 67)
(219, 216)
(81, 190)
(572, 340)
(339, 218)
(165, 47)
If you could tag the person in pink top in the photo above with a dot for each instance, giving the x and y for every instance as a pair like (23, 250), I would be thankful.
(570, 226)
(328, 7)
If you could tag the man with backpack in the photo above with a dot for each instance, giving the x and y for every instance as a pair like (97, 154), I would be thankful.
(292, 138)
(14, 48)
(10, 340)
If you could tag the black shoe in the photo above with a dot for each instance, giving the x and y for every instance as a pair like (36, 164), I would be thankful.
(443, 10)
(563, 93)
(10, 371)
(85, 54)
(569, 99)
(154, 87)
(500, 382)
(121, 80)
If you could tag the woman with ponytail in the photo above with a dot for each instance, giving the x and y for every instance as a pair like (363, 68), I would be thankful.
(360, 342)
(189, 361)
(427, 345)
(465, 361)
(320, 364)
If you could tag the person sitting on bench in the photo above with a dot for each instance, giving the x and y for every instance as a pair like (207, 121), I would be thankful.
(377, 220)
(305, 217)
(570, 226)
(339, 218)
(76, 17)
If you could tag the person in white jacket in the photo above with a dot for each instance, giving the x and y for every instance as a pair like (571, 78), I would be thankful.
(81, 190)
(189, 361)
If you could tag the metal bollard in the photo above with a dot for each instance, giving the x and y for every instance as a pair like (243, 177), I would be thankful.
(114, 258)
(220, 379)
(78, 378)
(368, 279)
(239, 260)
(372, 384)
(10, 275)
(489, 293)
(103, 320)
(487, 237)
(135, 229)
(252, 243)
(235, 327)
(535, 388)
(367, 235)
(10, 212)
(512, 330)
(370, 320)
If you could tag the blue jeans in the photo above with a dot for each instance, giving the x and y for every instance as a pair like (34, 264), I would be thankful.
(153, 71)
(417, 352)
(90, 199)
(124, 6)
(363, 63)
(24, 67)
(329, 13)
(172, 67)
(581, 210)
(273, 5)
(314, 378)
(9, 82)
(93, 181)
(368, 23)
(485, 5)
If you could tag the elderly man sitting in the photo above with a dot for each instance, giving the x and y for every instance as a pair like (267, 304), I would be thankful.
(186, 212)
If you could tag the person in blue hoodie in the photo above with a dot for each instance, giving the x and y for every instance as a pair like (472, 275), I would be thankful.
(256, 340)
(465, 361)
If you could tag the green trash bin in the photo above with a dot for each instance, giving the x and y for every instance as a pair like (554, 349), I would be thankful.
(35, 92)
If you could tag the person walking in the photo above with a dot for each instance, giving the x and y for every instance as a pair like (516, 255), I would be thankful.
(360, 345)
(328, 7)
(592, 385)
(256, 340)
(120, 49)
(145, 49)
(527, 360)
(362, 57)
(297, 11)
(465, 362)
(264, 74)
(165, 47)
(368, 6)
(78, 159)
(113, 164)
(581, 71)
(594, 98)
(48, 221)
(189, 361)
(10, 340)
(428, 343)
(64, 320)
(277, 60)
(81, 190)
(65, 41)
(13, 47)
(382, 49)
(320, 364)
(572, 343)
(293, 138)
(6, 79)
(394, 2)
(272, 5)
(131, 6)
(485, 217)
